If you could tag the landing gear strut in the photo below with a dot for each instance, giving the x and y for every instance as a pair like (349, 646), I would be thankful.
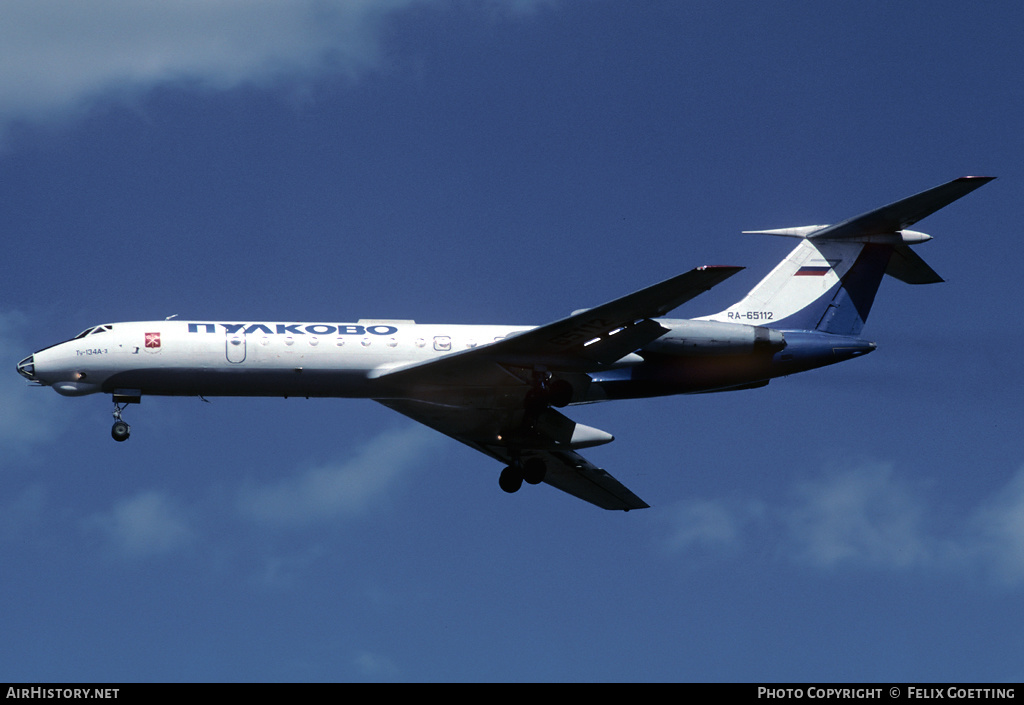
(548, 391)
(534, 471)
(120, 430)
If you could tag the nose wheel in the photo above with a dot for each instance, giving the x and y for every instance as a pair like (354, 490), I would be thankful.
(120, 430)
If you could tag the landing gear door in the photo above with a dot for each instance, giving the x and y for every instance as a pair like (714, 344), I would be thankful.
(234, 346)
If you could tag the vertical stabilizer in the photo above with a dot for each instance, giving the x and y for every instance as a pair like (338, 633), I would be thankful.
(828, 282)
(826, 286)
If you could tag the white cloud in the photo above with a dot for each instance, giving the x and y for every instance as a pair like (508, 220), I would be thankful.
(148, 523)
(863, 517)
(995, 539)
(375, 666)
(344, 487)
(282, 571)
(58, 54)
(706, 524)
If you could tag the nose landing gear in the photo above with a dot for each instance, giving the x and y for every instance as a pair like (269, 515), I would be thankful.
(120, 430)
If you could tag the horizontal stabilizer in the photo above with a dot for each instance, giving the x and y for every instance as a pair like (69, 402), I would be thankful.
(892, 219)
(902, 214)
(802, 231)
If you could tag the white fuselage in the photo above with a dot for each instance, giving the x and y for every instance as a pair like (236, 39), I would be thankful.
(248, 359)
(219, 358)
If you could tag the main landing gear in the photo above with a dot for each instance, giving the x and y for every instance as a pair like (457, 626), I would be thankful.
(547, 391)
(532, 471)
(120, 430)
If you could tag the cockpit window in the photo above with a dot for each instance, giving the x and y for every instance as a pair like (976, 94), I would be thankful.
(90, 331)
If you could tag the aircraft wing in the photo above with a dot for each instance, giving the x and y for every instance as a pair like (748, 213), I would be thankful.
(574, 474)
(567, 470)
(584, 341)
(902, 214)
(477, 396)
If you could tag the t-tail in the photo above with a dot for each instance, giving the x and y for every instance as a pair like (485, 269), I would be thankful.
(829, 281)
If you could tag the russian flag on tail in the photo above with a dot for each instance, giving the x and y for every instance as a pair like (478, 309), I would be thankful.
(812, 271)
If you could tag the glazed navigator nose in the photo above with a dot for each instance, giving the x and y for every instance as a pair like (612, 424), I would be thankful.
(27, 368)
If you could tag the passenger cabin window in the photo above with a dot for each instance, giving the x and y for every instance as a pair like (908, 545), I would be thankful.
(442, 343)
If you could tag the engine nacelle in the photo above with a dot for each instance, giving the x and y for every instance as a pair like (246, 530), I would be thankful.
(715, 337)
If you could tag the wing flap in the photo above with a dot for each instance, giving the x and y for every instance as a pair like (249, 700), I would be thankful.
(583, 341)
(617, 344)
(481, 429)
(575, 475)
(568, 336)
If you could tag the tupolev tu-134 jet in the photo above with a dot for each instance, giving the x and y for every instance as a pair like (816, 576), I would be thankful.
(496, 388)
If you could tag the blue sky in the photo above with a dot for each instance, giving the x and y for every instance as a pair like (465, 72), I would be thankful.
(507, 162)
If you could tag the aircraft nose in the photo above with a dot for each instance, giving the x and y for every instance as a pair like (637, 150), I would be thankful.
(27, 368)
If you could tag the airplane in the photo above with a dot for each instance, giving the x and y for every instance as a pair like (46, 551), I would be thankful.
(498, 388)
